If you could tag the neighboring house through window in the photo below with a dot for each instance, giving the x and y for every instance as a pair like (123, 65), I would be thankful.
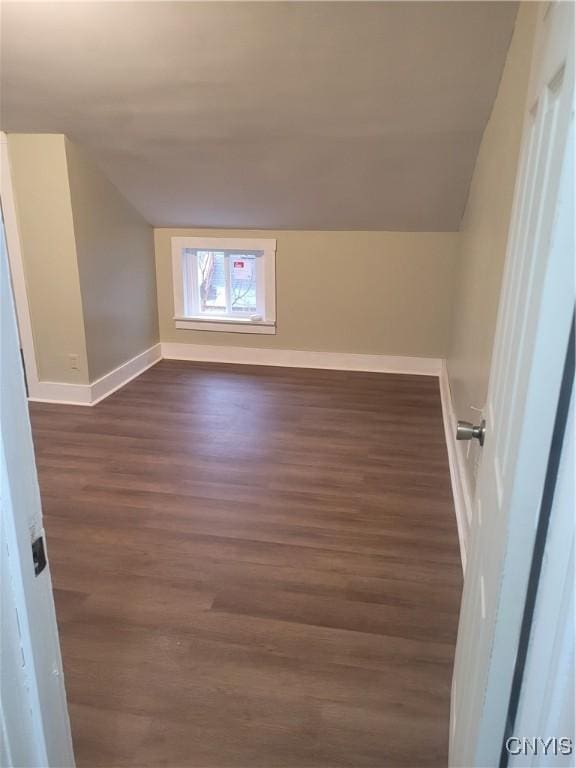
(224, 284)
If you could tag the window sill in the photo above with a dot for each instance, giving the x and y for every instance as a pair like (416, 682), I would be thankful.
(226, 325)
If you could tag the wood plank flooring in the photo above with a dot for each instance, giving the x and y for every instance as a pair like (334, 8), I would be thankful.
(254, 567)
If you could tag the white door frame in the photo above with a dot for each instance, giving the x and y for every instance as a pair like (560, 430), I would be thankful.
(40, 736)
(545, 704)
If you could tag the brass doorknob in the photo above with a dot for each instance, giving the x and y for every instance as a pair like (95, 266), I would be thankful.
(467, 431)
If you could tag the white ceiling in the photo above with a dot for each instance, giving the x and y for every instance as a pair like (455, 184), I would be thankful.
(304, 115)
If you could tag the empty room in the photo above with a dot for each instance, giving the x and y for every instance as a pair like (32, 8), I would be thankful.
(287, 347)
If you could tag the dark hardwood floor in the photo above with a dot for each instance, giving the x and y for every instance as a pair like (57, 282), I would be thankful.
(254, 567)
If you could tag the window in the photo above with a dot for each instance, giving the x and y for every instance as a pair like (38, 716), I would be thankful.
(224, 284)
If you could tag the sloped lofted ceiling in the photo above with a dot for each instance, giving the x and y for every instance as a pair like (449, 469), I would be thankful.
(304, 115)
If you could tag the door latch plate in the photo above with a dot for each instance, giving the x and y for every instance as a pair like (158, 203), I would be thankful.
(38, 555)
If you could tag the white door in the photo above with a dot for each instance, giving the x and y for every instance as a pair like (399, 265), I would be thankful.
(34, 726)
(535, 314)
(546, 705)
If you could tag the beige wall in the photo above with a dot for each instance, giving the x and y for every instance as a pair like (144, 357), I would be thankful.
(383, 293)
(88, 261)
(92, 291)
(391, 293)
(44, 212)
(115, 251)
(484, 232)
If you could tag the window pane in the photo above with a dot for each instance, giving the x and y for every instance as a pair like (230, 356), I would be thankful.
(243, 284)
(212, 282)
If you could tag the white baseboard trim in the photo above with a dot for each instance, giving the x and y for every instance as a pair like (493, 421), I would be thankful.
(120, 376)
(59, 392)
(290, 358)
(457, 464)
(90, 394)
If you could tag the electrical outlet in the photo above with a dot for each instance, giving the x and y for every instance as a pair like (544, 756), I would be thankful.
(73, 360)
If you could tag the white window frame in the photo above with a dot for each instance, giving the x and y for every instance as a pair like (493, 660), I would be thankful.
(265, 250)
